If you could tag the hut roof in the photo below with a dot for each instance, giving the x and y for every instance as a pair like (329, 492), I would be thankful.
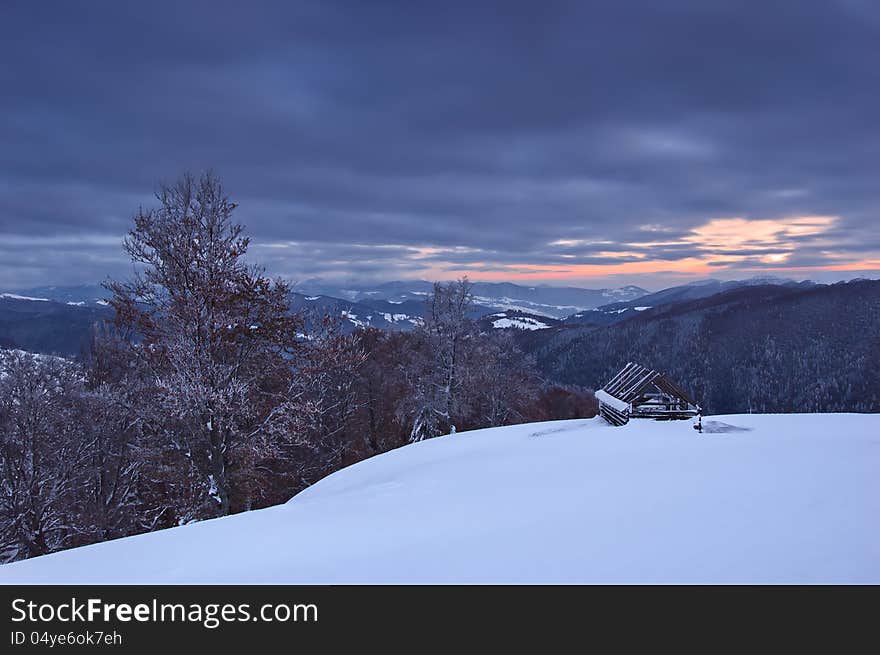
(633, 380)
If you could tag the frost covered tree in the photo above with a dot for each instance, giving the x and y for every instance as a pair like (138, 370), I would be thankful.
(115, 392)
(459, 378)
(42, 453)
(503, 383)
(328, 371)
(442, 363)
(323, 431)
(214, 334)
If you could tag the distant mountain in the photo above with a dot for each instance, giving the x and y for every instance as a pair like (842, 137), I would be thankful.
(383, 315)
(60, 325)
(44, 326)
(83, 294)
(392, 304)
(56, 320)
(700, 289)
(617, 312)
(556, 302)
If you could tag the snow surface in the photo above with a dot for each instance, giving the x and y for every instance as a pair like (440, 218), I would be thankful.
(395, 318)
(519, 322)
(791, 499)
(604, 397)
(14, 296)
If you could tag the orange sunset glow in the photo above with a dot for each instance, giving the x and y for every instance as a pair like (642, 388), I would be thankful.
(719, 244)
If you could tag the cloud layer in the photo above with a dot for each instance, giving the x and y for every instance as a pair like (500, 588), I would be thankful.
(593, 142)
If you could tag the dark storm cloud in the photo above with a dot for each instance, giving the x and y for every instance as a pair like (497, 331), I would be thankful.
(449, 136)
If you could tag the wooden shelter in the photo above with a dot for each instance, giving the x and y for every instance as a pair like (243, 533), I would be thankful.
(638, 392)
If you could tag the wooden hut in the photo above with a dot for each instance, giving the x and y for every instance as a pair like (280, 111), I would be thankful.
(638, 392)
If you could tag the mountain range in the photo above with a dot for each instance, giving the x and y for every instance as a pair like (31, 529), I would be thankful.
(556, 302)
(752, 345)
(56, 319)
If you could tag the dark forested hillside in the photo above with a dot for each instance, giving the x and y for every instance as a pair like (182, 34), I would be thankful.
(51, 328)
(762, 349)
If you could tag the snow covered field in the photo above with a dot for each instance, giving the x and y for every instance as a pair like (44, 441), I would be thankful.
(783, 499)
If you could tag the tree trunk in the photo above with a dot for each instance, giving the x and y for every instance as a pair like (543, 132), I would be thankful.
(218, 485)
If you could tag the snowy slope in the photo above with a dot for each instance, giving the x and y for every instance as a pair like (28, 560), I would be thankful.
(785, 498)
(519, 323)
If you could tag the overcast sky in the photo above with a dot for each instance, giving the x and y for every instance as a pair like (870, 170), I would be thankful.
(588, 143)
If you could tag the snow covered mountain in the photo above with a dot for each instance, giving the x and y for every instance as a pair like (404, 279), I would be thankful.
(699, 289)
(82, 295)
(354, 315)
(57, 319)
(755, 499)
(554, 302)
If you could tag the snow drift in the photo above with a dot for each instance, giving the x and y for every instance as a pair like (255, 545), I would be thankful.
(784, 499)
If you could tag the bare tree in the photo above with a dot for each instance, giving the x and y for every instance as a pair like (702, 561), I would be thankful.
(329, 374)
(42, 450)
(447, 334)
(503, 382)
(210, 330)
(386, 389)
(118, 453)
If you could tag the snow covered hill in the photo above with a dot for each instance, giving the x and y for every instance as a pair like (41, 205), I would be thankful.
(516, 320)
(759, 498)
